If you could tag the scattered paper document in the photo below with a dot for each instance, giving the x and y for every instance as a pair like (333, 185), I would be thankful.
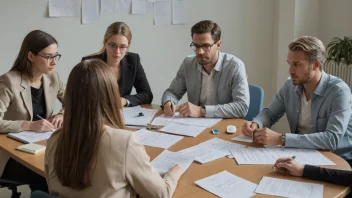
(251, 155)
(60, 8)
(139, 6)
(203, 122)
(137, 116)
(243, 138)
(288, 188)
(30, 136)
(108, 6)
(155, 139)
(167, 159)
(90, 11)
(150, 7)
(220, 145)
(179, 12)
(181, 129)
(203, 154)
(225, 184)
(162, 12)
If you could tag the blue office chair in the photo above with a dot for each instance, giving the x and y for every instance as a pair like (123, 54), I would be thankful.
(256, 94)
(41, 194)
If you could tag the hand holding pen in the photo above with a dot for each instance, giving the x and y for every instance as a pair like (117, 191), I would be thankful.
(46, 125)
(289, 166)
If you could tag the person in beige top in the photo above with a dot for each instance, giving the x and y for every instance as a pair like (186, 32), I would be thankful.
(92, 155)
(30, 89)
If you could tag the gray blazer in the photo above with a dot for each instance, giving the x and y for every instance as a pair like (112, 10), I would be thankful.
(232, 87)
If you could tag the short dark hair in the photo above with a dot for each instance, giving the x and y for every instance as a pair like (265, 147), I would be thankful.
(207, 26)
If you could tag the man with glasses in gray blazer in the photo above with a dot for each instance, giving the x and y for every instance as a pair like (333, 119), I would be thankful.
(215, 82)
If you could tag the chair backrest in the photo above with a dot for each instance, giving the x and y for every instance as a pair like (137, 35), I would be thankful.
(41, 194)
(256, 94)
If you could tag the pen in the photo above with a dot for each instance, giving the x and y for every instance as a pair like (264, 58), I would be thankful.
(173, 114)
(53, 130)
(286, 161)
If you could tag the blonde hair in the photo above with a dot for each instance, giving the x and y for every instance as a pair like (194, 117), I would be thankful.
(116, 28)
(312, 47)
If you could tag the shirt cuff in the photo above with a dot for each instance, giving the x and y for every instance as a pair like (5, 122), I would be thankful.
(210, 111)
(292, 140)
(260, 123)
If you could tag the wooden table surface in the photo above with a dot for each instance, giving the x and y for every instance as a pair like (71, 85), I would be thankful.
(186, 186)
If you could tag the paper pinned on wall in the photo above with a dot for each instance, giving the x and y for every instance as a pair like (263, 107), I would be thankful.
(179, 12)
(108, 6)
(90, 11)
(61, 8)
(139, 7)
(125, 5)
(162, 12)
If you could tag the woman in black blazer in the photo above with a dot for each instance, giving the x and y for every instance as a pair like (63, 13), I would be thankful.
(126, 65)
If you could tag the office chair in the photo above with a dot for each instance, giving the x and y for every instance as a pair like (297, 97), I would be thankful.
(11, 185)
(41, 194)
(256, 94)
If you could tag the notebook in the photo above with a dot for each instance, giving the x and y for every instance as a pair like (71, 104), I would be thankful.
(30, 136)
(31, 148)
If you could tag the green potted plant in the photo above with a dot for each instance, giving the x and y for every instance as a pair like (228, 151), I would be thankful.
(340, 50)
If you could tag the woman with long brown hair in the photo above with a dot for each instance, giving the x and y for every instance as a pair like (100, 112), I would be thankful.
(27, 92)
(126, 65)
(92, 155)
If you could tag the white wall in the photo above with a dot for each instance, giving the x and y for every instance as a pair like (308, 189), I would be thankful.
(247, 29)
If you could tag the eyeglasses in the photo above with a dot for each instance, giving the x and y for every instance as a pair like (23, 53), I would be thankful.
(205, 47)
(49, 59)
(113, 46)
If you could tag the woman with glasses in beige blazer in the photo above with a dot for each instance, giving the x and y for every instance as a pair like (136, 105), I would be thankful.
(27, 92)
(92, 155)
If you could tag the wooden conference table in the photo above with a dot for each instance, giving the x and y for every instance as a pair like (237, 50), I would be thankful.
(186, 186)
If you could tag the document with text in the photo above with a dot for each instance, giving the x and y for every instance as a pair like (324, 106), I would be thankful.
(167, 159)
(156, 139)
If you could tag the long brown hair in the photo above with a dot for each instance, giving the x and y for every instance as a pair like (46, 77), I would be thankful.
(116, 28)
(34, 42)
(91, 101)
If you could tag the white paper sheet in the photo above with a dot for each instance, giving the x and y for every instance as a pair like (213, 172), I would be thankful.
(167, 159)
(132, 115)
(225, 184)
(125, 6)
(155, 139)
(243, 138)
(220, 145)
(251, 155)
(139, 7)
(30, 136)
(60, 8)
(203, 122)
(108, 6)
(181, 129)
(288, 188)
(179, 12)
(203, 154)
(162, 12)
(150, 7)
(90, 11)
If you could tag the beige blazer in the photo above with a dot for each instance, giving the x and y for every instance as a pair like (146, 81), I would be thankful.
(16, 102)
(122, 170)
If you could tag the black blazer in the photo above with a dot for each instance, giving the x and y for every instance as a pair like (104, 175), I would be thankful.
(132, 74)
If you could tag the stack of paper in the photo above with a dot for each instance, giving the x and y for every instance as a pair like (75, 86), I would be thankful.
(137, 116)
(30, 136)
(182, 129)
(225, 184)
(201, 122)
(167, 159)
(203, 154)
(155, 139)
(288, 188)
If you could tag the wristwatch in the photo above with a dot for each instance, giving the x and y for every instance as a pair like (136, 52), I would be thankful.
(283, 139)
(203, 110)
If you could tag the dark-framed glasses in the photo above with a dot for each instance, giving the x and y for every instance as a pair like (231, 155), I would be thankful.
(205, 47)
(113, 46)
(49, 59)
